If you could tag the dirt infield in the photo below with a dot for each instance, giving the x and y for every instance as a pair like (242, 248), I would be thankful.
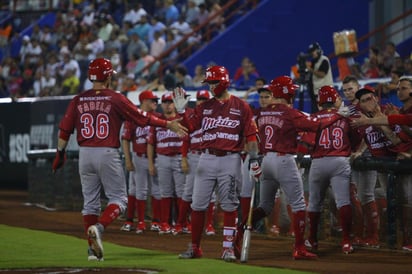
(265, 250)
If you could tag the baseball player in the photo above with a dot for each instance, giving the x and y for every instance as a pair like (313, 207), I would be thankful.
(330, 166)
(362, 182)
(405, 96)
(380, 141)
(191, 151)
(140, 180)
(278, 126)
(226, 121)
(97, 115)
(168, 163)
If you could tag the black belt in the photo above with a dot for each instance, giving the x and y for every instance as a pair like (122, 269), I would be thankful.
(218, 152)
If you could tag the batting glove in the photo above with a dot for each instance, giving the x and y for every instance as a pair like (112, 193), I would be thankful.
(59, 159)
(180, 99)
(254, 169)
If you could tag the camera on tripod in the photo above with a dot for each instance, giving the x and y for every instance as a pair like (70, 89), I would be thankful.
(304, 74)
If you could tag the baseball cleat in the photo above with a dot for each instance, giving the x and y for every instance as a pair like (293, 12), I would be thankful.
(347, 248)
(407, 247)
(165, 229)
(177, 230)
(300, 253)
(95, 237)
(311, 245)
(372, 243)
(128, 226)
(141, 227)
(228, 255)
(275, 230)
(155, 226)
(91, 256)
(192, 252)
(210, 231)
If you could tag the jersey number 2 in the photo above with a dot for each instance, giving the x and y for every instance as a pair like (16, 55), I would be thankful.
(98, 128)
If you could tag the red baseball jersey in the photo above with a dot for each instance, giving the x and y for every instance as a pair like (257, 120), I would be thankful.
(378, 144)
(165, 141)
(224, 124)
(137, 135)
(404, 133)
(279, 126)
(334, 140)
(97, 115)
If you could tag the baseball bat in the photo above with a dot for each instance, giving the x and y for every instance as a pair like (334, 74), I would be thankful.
(247, 234)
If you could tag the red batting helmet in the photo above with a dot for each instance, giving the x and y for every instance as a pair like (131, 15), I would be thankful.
(202, 94)
(327, 94)
(283, 87)
(100, 69)
(217, 74)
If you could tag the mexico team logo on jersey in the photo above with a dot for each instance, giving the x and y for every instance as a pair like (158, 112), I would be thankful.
(211, 122)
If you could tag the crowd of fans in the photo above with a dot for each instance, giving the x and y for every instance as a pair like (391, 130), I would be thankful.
(53, 60)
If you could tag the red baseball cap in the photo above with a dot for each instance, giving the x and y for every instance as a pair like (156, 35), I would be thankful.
(202, 94)
(168, 96)
(147, 94)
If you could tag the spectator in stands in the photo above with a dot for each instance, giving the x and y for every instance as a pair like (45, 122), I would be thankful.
(388, 91)
(24, 48)
(248, 77)
(68, 67)
(203, 14)
(198, 76)
(321, 72)
(371, 68)
(252, 95)
(26, 85)
(171, 12)
(171, 54)
(34, 52)
(217, 21)
(183, 79)
(239, 71)
(180, 28)
(132, 63)
(44, 84)
(88, 16)
(142, 28)
(5, 33)
(129, 84)
(106, 28)
(135, 45)
(134, 15)
(156, 25)
(347, 66)
(96, 44)
(158, 44)
(143, 62)
(389, 56)
(192, 12)
(36, 32)
(114, 42)
(70, 84)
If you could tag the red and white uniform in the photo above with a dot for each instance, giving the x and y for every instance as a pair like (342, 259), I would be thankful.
(97, 116)
(330, 167)
(168, 165)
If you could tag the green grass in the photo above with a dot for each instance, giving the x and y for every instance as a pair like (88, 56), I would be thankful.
(25, 248)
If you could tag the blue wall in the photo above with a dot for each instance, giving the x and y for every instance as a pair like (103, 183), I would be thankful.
(276, 31)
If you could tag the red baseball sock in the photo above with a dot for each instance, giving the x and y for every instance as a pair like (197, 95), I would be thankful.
(141, 208)
(183, 212)
(210, 213)
(110, 214)
(156, 209)
(299, 221)
(345, 214)
(166, 204)
(198, 222)
(131, 201)
(89, 220)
